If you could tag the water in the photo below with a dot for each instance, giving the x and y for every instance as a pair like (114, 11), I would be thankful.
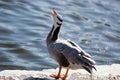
(24, 25)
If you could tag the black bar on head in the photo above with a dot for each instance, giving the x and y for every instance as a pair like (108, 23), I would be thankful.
(59, 23)
(59, 19)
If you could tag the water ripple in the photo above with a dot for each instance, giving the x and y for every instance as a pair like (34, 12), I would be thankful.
(24, 25)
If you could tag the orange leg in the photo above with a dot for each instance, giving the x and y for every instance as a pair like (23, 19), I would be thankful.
(63, 76)
(58, 75)
(66, 74)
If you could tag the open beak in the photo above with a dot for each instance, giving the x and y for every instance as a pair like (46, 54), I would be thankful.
(54, 12)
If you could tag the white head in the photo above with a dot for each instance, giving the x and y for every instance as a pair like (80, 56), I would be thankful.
(53, 34)
(57, 18)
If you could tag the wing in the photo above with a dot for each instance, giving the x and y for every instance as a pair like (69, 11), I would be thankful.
(75, 55)
(82, 51)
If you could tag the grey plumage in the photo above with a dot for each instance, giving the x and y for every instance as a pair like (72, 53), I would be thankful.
(66, 52)
(76, 57)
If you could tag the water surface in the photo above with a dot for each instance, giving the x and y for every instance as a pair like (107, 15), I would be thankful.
(93, 24)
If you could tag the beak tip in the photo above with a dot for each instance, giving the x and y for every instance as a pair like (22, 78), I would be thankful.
(53, 12)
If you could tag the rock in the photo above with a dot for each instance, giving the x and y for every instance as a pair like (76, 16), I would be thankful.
(104, 72)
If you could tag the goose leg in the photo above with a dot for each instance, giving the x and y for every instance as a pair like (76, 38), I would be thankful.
(66, 74)
(58, 75)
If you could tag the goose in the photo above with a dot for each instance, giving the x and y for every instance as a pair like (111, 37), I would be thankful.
(66, 52)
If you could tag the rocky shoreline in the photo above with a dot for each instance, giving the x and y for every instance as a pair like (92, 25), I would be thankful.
(104, 72)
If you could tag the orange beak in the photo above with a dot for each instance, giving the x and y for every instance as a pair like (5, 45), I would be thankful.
(54, 12)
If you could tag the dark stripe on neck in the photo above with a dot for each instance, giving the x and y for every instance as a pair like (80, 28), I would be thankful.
(59, 19)
(59, 23)
(49, 35)
(55, 34)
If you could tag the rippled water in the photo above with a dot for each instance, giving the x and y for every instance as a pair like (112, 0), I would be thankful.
(24, 25)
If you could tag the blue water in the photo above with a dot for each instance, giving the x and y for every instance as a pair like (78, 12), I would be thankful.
(24, 24)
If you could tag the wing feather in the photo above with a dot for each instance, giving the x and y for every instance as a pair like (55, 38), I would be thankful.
(74, 54)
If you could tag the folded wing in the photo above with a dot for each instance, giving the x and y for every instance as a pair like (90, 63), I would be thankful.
(75, 55)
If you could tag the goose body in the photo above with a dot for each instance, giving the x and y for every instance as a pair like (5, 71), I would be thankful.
(66, 52)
